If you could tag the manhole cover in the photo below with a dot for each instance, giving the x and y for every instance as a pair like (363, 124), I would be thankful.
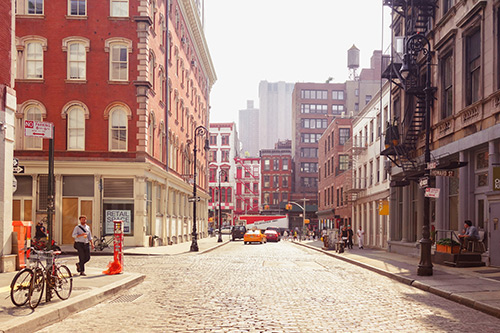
(126, 298)
(488, 271)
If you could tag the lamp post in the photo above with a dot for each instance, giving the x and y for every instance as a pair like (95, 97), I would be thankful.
(221, 172)
(303, 210)
(415, 45)
(199, 131)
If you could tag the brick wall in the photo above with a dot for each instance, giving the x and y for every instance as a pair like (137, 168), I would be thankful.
(5, 45)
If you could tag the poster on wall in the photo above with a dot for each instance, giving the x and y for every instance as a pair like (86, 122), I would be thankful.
(115, 214)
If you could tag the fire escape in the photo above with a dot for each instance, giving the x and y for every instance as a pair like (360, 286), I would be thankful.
(247, 194)
(353, 184)
(408, 125)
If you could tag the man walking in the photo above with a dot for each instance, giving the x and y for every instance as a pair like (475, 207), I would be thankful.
(83, 237)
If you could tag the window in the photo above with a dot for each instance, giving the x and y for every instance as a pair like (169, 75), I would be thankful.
(33, 112)
(314, 108)
(267, 164)
(338, 94)
(372, 132)
(267, 180)
(308, 152)
(225, 139)
(309, 167)
(481, 169)
(344, 134)
(285, 164)
(34, 60)
(377, 170)
(152, 65)
(119, 8)
(314, 94)
(284, 181)
(35, 7)
(337, 109)
(447, 4)
(77, 61)
(118, 129)
(225, 155)
(368, 98)
(212, 174)
(343, 162)
(276, 164)
(213, 139)
(378, 124)
(473, 66)
(77, 7)
(151, 131)
(276, 181)
(447, 88)
(212, 155)
(119, 48)
(76, 129)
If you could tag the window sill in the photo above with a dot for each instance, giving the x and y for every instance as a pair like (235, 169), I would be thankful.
(119, 82)
(77, 17)
(30, 16)
(30, 80)
(118, 18)
(75, 81)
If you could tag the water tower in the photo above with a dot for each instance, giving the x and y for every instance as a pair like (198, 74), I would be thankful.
(353, 62)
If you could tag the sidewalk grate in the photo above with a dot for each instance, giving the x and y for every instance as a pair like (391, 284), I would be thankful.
(126, 298)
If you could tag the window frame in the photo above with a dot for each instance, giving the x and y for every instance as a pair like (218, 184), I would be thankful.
(71, 129)
(123, 43)
(70, 2)
(111, 129)
(113, 3)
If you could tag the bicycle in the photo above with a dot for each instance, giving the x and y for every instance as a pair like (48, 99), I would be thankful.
(28, 284)
(102, 243)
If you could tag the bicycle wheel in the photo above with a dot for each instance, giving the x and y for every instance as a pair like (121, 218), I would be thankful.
(63, 283)
(20, 287)
(36, 288)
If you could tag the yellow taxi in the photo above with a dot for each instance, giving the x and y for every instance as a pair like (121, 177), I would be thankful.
(254, 236)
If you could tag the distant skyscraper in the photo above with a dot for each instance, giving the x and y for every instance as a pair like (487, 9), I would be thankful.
(248, 124)
(275, 113)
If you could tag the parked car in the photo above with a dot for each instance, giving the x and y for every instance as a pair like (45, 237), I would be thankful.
(278, 230)
(272, 235)
(254, 236)
(225, 230)
(238, 232)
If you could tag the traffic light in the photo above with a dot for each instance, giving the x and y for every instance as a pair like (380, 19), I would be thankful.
(266, 207)
(288, 207)
(306, 221)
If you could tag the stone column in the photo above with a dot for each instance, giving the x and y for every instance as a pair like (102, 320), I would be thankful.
(406, 213)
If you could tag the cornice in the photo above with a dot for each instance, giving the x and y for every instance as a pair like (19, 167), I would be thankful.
(195, 29)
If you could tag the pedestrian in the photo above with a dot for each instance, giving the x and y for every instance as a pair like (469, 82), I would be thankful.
(471, 234)
(343, 234)
(350, 234)
(361, 237)
(285, 235)
(83, 242)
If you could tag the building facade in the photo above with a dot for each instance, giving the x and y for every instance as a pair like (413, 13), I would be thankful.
(128, 139)
(334, 210)
(8, 107)
(247, 186)
(275, 112)
(368, 189)
(224, 149)
(276, 177)
(464, 139)
(248, 127)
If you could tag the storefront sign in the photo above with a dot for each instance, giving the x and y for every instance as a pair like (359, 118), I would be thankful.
(122, 215)
(383, 207)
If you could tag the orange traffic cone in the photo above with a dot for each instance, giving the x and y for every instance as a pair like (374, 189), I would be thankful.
(114, 267)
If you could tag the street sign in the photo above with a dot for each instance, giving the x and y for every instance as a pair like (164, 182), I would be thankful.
(431, 192)
(193, 199)
(424, 182)
(38, 129)
(14, 184)
(15, 162)
(431, 165)
(18, 169)
(443, 173)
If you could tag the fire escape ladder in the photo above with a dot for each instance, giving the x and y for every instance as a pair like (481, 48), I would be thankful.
(418, 16)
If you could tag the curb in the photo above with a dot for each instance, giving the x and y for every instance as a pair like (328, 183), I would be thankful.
(476, 305)
(53, 314)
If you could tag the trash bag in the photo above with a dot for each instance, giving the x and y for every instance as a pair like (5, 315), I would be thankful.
(114, 267)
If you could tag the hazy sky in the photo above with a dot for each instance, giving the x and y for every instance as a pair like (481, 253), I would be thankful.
(285, 40)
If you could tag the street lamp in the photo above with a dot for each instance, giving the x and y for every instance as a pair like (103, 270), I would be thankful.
(289, 207)
(221, 172)
(199, 131)
(415, 45)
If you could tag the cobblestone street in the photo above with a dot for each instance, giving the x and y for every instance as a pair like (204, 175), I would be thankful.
(276, 287)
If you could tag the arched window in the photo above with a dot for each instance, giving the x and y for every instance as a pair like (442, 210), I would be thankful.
(33, 112)
(118, 127)
(76, 48)
(118, 49)
(76, 128)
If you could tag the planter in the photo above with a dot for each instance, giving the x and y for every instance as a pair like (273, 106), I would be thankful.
(448, 249)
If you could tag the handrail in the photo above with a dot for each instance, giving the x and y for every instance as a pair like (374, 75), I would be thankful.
(447, 234)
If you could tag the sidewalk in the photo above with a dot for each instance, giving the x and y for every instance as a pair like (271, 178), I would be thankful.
(475, 287)
(87, 290)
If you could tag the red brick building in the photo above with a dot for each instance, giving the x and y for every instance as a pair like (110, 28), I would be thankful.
(7, 112)
(125, 83)
(276, 177)
(334, 172)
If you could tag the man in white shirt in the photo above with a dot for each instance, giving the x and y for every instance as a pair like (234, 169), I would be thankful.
(83, 241)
